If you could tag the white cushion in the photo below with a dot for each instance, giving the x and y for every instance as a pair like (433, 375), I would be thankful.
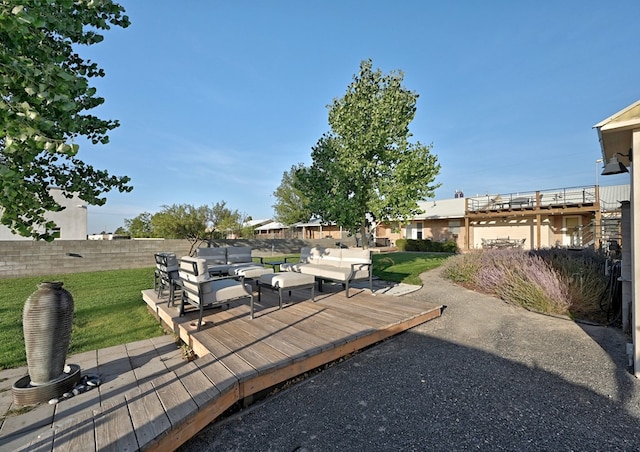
(252, 271)
(186, 269)
(284, 280)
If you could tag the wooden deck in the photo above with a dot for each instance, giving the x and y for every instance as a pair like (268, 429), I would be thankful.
(152, 399)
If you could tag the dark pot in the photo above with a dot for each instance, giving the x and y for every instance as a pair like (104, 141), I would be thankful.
(46, 321)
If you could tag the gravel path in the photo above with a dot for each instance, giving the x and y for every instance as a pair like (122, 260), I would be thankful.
(484, 376)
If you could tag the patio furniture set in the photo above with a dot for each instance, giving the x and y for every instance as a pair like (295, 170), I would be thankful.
(216, 276)
(502, 243)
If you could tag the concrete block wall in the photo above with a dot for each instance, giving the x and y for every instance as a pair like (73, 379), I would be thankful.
(31, 258)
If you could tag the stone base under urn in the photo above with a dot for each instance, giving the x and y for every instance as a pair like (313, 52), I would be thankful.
(24, 393)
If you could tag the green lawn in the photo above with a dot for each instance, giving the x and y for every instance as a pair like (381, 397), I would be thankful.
(405, 267)
(109, 309)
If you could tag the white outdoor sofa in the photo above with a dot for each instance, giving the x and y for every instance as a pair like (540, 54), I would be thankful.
(334, 264)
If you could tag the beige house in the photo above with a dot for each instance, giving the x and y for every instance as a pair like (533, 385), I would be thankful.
(272, 230)
(71, 222)
(440, 220)
(316, 229)
(569, 217)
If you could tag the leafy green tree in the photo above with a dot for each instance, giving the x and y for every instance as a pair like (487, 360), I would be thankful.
(365, 168)
(291, 204)
(220, 220)
(121, 231)
(140, 226)
(45, 97)
(230, 224)
(223, 222)
(182, 221)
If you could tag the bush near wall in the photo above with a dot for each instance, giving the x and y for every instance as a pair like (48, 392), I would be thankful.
(429, 246)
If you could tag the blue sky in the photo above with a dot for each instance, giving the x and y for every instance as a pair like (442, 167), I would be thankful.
(218, 99)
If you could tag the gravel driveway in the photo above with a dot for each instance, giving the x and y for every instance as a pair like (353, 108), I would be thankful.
(484, 376)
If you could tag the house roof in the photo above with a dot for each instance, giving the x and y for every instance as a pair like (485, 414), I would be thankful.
(444, 208)
(274, 225)
(254, 223)
(611, 196)
(615, 134)
(313, 223)
(628, 117)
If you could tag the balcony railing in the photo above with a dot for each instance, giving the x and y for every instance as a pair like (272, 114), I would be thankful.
(563, 197)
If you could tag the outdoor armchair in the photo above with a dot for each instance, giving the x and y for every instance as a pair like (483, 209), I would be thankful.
(166, 275)
(201, 290)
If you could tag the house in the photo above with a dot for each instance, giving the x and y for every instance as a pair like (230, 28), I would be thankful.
(71, 221)
(317, 229)
(440, 220)
(230, 234)
(570, 217)
(272, 230)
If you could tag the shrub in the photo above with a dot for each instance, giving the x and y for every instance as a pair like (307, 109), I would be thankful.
(554, 281)
(450, 246)
(463, 268)
(425, 246)
(583, 274)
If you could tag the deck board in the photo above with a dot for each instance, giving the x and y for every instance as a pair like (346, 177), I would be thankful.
(175, 398)
(151, 399)
(339, 329)
(255, 332)
(147, 414)
(256, 351)
(200, 388)
(220, 376)
(239, 367)
(114, 428)
(312, 344)
(76, 433)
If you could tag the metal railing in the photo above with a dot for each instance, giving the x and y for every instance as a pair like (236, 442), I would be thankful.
(530, 200)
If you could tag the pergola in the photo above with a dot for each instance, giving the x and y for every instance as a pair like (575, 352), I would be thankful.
(619, 137)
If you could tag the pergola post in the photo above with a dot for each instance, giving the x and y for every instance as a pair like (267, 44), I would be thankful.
(635, 252)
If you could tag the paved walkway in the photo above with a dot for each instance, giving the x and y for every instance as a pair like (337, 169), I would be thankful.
(485, 376)
(387, 288)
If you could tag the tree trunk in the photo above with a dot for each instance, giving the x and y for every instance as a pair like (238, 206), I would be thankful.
(363, 234)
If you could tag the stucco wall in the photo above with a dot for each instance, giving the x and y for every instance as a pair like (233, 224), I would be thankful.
(514, 229)
(72, 220)
(31, 258)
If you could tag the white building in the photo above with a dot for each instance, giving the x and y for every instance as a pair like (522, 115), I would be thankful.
(71, 222)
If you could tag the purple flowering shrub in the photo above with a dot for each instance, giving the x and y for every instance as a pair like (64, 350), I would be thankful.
(463, 268)
(552, 281)
(583, 273)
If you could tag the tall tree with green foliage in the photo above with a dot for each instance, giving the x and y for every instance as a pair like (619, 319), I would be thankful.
(291, 205)
(140, 226)
(365, 168)
(182, 221)
(45, 97)
(224, 221)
